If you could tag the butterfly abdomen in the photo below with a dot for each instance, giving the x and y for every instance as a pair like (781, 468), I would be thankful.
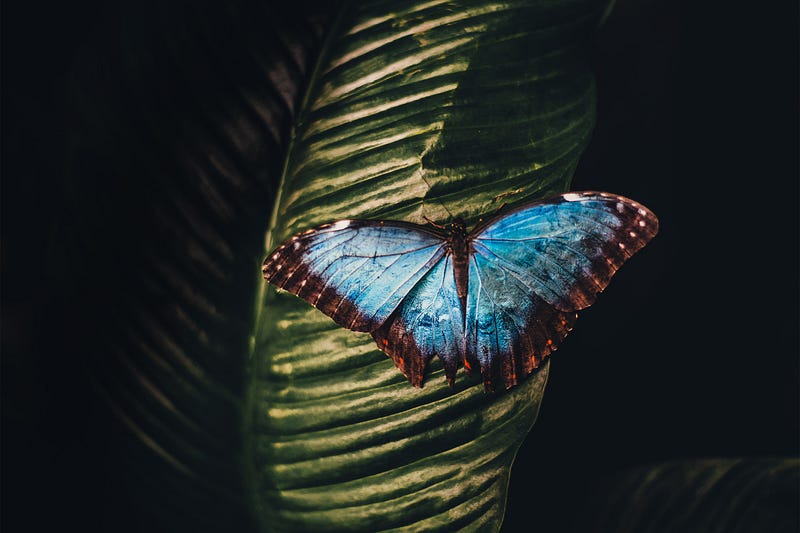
(459, 247)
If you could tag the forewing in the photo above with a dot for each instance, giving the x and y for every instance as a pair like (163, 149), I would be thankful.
(533, 268)
(566, 249)
(429, 322)
(355, 271)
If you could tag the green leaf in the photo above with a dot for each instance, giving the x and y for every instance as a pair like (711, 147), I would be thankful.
(715, 495)
(434, 110)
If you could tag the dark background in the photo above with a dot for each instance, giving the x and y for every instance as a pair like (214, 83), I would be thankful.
(692, 353)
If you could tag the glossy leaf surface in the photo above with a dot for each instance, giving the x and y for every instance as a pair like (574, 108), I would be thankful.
(427, 112)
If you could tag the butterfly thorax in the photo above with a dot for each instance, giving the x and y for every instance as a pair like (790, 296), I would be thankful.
(459, 248)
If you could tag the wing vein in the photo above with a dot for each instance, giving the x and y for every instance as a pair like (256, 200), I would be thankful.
(426, 264)
(595, 221)
(516, 274)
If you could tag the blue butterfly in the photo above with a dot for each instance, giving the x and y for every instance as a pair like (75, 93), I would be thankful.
(500, 298)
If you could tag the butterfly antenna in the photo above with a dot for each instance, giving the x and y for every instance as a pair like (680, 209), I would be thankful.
(505, 195)
(496, 211)
(432, 223)
(430, 187)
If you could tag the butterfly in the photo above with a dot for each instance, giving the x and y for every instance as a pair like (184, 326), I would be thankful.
(499, 298)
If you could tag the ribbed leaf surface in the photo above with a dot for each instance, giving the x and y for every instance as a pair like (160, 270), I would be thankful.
(183, 117)
(720, 495)
(415, 110)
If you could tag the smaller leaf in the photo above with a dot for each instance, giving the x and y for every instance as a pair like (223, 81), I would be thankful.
(739, 495)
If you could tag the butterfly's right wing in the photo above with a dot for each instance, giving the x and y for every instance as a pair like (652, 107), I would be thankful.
(355, 271)
(533, 268)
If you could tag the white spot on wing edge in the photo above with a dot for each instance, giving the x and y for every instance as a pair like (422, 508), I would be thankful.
(341, 224)
(572, 197)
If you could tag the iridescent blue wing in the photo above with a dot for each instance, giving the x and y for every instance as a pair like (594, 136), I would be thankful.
(429, 322)
(509, 329)
(355, 271)
(532, 269)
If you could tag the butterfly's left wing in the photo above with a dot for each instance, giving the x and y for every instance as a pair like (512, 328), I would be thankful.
(392, 279)
(355, 271)
(532, 269)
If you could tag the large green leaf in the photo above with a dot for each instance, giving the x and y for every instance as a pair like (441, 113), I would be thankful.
(415, 110)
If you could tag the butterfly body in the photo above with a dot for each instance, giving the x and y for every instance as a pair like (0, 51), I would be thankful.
(459, 247)
(499, 298)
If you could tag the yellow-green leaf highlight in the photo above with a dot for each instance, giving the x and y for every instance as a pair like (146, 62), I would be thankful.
(438, 109)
